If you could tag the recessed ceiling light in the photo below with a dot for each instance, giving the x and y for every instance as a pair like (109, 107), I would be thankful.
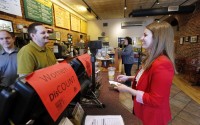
(82, 8)
(157, 2)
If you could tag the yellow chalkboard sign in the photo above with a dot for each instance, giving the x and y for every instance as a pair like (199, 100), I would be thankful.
(83, 26)
(75, 23)
(62, 17)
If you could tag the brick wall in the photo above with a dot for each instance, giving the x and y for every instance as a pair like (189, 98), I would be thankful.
(21, 20)
(189, 25)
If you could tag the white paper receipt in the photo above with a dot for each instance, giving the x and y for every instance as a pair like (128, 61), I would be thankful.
(104, 120)
(113, 83)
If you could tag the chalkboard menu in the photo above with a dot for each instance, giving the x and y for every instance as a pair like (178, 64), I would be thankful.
(62, 17)
(39, 10)
(75, 23)
(83, 26)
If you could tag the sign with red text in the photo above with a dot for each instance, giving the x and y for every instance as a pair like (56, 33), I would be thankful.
(86, 61)
(56, 86)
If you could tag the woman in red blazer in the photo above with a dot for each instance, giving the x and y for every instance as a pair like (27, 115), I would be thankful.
(151, 85)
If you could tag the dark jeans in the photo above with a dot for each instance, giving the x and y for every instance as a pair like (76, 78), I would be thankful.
(127, 68)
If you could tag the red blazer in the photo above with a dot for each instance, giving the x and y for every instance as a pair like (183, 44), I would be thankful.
(156, 83)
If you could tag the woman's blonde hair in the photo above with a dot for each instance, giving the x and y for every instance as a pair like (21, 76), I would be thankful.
(163, 43)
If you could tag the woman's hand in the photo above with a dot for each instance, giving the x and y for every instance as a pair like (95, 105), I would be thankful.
(122, 78)
(122, 88)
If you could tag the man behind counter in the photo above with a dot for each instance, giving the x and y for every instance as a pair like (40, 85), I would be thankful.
(8, 56)
(35, 55)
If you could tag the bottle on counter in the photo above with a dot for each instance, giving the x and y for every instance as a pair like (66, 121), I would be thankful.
(71, 51)
(88, 51)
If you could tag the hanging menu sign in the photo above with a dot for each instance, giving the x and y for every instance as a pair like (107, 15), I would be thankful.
(62, 17)
(39, 10)
(83, 26)
(11, 7)
(75, 23)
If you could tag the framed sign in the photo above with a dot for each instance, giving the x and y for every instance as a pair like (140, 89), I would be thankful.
(6, 25)
(54, 36)
(57, 35)
(181, 40)
(194, 39)
(186, 39)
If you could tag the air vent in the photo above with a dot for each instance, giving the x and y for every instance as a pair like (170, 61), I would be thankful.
(132, 23)
(162, 11)
(105, 24)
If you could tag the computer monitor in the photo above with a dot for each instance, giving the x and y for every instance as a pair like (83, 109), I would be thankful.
(28, 106)
(95, 44)
(7, 96)
(105, 43)
(82, 76)
(87, 85)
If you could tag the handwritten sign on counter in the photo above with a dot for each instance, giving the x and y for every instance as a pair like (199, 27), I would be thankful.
(56, 86)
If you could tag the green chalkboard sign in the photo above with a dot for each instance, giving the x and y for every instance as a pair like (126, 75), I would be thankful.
(39, 10)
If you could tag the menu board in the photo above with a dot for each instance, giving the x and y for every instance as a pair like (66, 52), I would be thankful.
(75, 23)
(83, 26)
(11, 7)
(62, 17)
(39, 10)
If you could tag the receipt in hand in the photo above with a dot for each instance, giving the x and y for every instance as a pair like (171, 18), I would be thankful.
(113, 83)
